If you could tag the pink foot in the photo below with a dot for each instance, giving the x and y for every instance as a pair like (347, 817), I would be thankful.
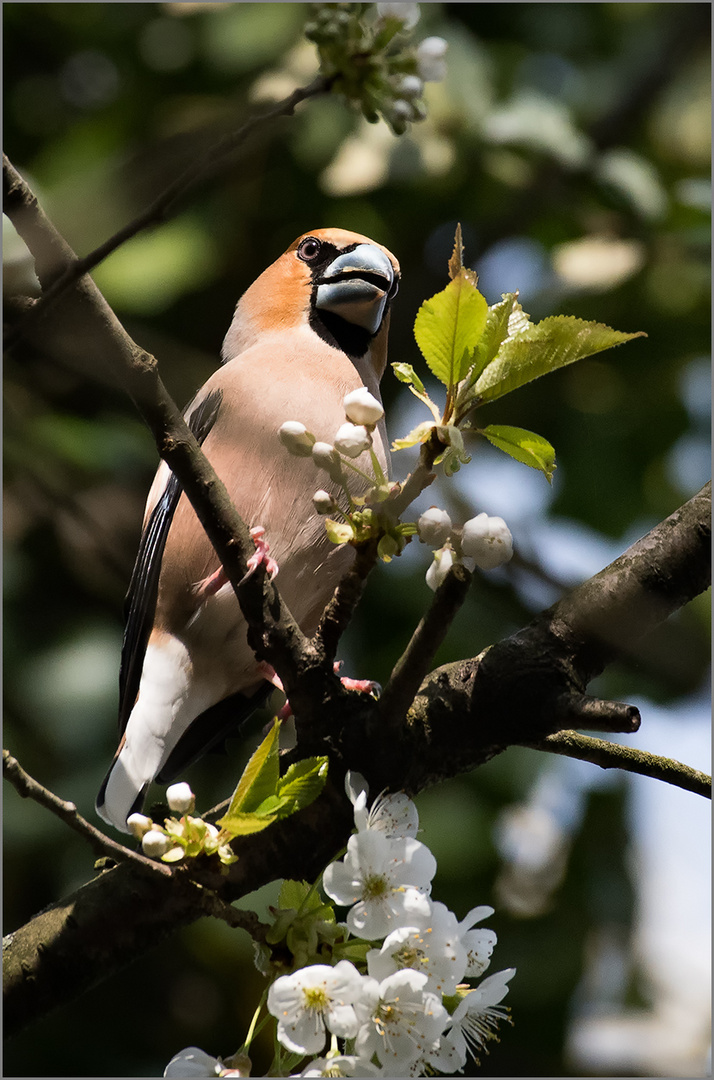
(262, 554)
(211, 584)
(365, 686)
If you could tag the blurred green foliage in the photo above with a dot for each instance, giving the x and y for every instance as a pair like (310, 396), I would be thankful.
(572, 143)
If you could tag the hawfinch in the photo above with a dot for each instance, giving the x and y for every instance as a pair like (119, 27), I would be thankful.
(309, 330)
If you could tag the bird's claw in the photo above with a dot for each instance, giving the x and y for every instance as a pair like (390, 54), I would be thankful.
(261, 555)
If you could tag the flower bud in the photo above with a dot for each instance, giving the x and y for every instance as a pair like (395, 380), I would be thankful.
(323, 502)
(431, 59)
(434, 526)
(443, 561)
(296, 438)
(139, 825)
(407, 14)
(326, 457)
(155, 843)
(488, 541)
(180, 798)
(352, 440)
(410, 86)
(361, 407)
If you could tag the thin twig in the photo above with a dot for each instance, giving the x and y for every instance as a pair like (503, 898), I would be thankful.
(165, 205)
(344, 600)
(29, 788)
(415, 661)
(614, 756)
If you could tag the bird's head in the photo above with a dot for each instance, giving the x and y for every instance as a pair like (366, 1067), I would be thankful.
(338, 283)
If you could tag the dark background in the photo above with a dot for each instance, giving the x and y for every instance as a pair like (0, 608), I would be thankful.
(558, 124)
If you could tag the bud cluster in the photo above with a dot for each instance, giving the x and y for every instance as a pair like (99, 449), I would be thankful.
(486, 540)
(365, 50)
(179, 837)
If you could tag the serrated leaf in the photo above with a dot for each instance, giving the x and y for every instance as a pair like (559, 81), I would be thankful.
(551, 344)
(301, 784)
(419, 434)
(259, 778)
(339, 532)
(525, 446)
(495, 332)
(448, 328)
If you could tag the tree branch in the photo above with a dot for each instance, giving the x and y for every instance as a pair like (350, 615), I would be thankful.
(614, 756)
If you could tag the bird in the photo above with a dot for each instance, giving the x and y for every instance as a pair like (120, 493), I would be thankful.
(310, 329)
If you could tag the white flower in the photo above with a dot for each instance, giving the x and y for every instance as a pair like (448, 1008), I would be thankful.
(431, 59)
(431, 945)
(313, 1000)
(443, 561)
(155, 843)
(474, 1022)
(384, 881)
(193, 1062)
(352, 440)
(488, 541)
(361, 407)
(296, 438)
(340, 1065)
(434, 526)
(479, 943)
(139, 824)
(180, 798)
(323, 502)
(400, 1019)
(408, 14)
(394, 815)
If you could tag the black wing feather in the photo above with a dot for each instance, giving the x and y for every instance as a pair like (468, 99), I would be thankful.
(140, 603)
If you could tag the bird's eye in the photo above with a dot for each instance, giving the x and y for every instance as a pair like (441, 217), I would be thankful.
(309, 249)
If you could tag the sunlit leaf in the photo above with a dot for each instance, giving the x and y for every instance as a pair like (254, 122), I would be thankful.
(259, 779)
(551, 344)
(419, 434)
(301, 784)
(448, 327)
(525, 446)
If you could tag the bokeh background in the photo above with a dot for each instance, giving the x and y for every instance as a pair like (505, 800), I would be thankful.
(572, 141)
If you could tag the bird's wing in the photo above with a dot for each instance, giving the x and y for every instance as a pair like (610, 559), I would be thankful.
(140, 603)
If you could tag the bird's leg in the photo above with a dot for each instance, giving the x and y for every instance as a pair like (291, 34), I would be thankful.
(365, 686)
(210, 585)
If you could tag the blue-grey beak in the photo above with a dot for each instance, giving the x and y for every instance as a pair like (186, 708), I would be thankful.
(356, 285)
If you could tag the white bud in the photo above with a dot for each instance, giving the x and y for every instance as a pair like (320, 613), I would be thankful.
(434, 526)
(323, 502)
(361, 407)
(488, 541)
(180, 798)
(352, 440)
(155, 843)
(443, 561)
(431, 59)
(408, 14)
(410, 86)
(139, 824)
(296, 438)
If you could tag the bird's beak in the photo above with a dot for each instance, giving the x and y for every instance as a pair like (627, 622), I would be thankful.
(356, 286)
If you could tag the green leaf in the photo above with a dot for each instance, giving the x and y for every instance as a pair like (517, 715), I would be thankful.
(418, 434)
(448, 327)
(406, 374)
(259, 780)
(495, 333)
(551, 344)
(243, 824)
(525, 446)
(294, 893)
(301, 784)
(339, 532)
